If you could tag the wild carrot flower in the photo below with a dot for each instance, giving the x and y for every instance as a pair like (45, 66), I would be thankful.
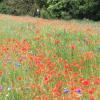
(9, 88)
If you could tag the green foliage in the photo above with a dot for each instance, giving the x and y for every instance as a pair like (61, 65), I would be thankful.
(66, 9)
(61, 9)
(45, 14)
(21, 7)
(25, 7)
(5, 9)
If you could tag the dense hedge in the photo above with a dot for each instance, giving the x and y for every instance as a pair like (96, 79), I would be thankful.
(75, 9)
(62, 9)
(6, 9)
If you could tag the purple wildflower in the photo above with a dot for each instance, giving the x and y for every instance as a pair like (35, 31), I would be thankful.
(17, 64)
(78, 91)
(1, 88)
(66, 91)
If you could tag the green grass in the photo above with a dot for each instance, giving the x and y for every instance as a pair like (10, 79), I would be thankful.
(47, 47)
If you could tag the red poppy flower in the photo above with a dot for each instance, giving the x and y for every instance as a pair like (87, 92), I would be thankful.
(46, 80)
(86, 82)
(91, 91)
(92, 97)
(73, 46)
(97, 81)
(89, 55)
(1, 72)
(32, 86)
(19, 78)
(45, 97)
(56, 92)
(81, 79)
(66, 66)
(57, 41)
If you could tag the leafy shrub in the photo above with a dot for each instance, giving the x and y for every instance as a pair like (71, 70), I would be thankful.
(45, 14)
(61, 9)
(5, 9)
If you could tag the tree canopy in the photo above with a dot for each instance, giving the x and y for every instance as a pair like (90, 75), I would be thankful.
(62, 9)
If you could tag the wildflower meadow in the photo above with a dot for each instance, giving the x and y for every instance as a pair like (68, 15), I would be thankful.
(49, 59)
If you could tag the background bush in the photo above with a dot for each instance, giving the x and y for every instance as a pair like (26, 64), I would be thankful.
(60, 9)
(6, 9)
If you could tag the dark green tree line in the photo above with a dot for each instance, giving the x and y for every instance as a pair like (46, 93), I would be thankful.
(74, 8)
(61, 9)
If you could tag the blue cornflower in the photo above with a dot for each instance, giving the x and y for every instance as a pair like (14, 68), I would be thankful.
(78, 91)
(17, 64)
(66, 91)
